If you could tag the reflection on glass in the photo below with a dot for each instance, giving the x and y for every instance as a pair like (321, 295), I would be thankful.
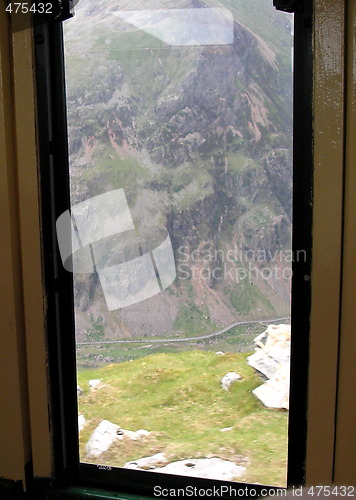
(179, 234)
(182, 27)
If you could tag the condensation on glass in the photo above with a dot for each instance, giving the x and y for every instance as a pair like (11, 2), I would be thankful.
(180, 141)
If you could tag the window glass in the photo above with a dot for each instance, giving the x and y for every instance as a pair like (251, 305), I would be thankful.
(180, 141)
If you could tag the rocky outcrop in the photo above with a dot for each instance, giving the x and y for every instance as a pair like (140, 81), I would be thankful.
(275, 392)
(102, 438)
(147, 463)
(106, 433)
(229, 379)
(272, 360)
(95, 384)
(199, 139)
(133, 435)
(210, 468)
(81, 422)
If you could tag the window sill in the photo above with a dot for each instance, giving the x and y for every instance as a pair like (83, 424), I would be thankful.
(82, 493)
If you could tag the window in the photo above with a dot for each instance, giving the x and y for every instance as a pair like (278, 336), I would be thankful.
(163, 131)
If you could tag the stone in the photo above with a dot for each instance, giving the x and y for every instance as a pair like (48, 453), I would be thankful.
(94, 384)
(229, 379)
(147, 462)
(275, 342)
(263, 363)
(103, 436)
(81, 422)
(131, 435)
(134, 436)
(142, 433)
(209, 468)
(275, 392)
(272, 360)
(79, 391)
(220, 353)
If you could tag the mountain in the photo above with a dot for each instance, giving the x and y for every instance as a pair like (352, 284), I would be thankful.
(199, 136)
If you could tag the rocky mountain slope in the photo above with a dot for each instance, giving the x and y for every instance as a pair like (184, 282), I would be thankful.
(199, 137)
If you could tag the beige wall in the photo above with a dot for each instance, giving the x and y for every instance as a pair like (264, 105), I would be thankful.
(345, 451)
(327, 235)
(15, 442)
(331, 440)
(24, 430)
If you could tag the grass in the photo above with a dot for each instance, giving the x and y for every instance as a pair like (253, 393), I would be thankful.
(239, 161)
(259, 16)
(192, 319)
(238, 339)
(178, 398)
(246, 297)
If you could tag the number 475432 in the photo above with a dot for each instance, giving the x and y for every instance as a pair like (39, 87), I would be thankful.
(326, 491)
(25, 7)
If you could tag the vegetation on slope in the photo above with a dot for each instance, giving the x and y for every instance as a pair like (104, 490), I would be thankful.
(179, 399)
(199, 137)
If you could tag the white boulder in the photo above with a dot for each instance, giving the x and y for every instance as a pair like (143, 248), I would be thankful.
(131, 435)
(228, 379)
(81, 422)
(147, 462)
(134, 436)
(102, 438)
(272, 359)
(275, 392)
(142, 433)
(210, 468)
(95, 383)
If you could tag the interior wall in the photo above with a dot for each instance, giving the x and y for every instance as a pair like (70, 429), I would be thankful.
(329, 54)
(24, 424)
(24, 428)
(345, 444)
(331, 443)
(14, 428)
(34, 301)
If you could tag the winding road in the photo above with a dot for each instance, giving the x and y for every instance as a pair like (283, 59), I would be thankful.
(185, 339)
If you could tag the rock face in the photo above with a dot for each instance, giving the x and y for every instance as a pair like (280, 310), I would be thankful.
(145, 463)
(229, 379)
(210, 468)
(106, 433)
(142, 433)
(272, 359)
(134, 436)
(81, 422)
(275, 392)
(102, 438)
(95, 383)
(200, 140)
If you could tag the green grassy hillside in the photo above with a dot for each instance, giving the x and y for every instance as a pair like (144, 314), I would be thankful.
(179, 399)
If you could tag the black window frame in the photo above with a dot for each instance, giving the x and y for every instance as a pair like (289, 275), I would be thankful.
(55, 199)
